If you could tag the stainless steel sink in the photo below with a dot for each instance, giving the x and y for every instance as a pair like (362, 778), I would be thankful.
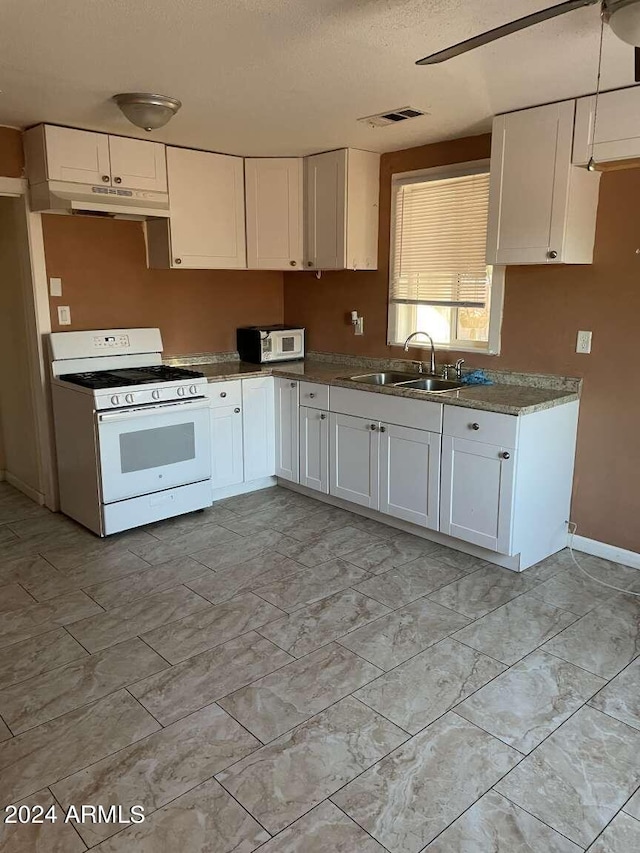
(385, 378)
(432, 384)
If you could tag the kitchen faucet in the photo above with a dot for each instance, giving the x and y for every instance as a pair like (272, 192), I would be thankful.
(432, 364)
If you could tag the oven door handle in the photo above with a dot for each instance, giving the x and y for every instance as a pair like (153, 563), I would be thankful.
(149, 411)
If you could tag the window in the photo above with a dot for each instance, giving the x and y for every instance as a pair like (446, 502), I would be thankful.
(439, 279)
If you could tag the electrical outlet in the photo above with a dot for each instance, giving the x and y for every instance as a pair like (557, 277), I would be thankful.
(55, 286)
(584, 342)
(64, 315)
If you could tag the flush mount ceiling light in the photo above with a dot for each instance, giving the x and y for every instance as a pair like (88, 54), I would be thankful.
(146, 110)
(623, 17)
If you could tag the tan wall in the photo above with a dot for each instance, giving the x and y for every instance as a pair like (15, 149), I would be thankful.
(544, 309)
(107, 285)
(11, 155)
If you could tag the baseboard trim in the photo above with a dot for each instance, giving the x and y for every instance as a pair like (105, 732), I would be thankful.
(606, 552)
(3, 475)
(18, 484)
(243, 488)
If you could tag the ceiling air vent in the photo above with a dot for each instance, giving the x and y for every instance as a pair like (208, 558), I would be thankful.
(392, 116)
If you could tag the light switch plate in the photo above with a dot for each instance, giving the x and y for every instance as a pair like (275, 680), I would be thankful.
(55, 286)
(584, 342)
(64, 315)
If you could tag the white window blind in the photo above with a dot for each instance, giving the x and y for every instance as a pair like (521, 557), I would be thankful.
(439, 242)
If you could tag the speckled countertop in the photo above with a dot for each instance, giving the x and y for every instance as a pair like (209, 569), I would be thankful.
(508, 399)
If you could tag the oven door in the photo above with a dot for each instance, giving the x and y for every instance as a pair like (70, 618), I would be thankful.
(153, 448)
(287, 345)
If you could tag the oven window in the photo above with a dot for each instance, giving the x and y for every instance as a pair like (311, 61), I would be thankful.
(289, 344)
(153, 448)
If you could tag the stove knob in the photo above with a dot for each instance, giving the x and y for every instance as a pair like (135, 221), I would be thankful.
(115, 401)
(155, 394)
(193, 389)
(181, 391)
(129, 398)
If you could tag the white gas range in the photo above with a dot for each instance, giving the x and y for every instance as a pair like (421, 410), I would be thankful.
(132, 434)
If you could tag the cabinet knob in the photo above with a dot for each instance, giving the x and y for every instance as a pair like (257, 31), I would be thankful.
(237, 411)
(323, 416)
(293, 384)
(374, 427)
(475, 426)
(505, 455)
(309, 263)
(223, 393)
(552, 254)
(105, 178)
(293, 263)
(383, 429)
(117, 180)
(177, 260)
(312, 396)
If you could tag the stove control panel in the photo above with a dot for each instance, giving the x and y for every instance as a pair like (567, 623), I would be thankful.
(111, 342)
(145, 395)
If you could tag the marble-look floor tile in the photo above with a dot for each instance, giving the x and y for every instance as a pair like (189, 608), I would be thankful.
(321, 623)
(14, 597)
(403, 633)
(283, 780)
(529, 701)
(5, 732)
(459, 559)
(388, 554)
(405, 584)
(579, 777)
(278, 702)
(26, 570)
(59, 691)
(239, 551)
(604, 641)
(633, 806)
(573, 591)
(93, 550)
(377, 529)
(207, 536)
(268, 518)
(294, 592)
(140, 584)
(621, 697)
(131, 620)
(39, 654)
(113, 567)
(49, 523)
(313, 552)
(324, 829)
(206, 820)
(483, 591)
(315, 524)
(155, 770)
(252, 502)
(621, 836)
(14, 507)
(515, 629)
(409, 797)
(222, 585)
(18, 625)
(550, 566)
(495, 825)
(45, 837)
(207, 677)
(211, 626)
(181, 524)
(37, 758)
(422, 689)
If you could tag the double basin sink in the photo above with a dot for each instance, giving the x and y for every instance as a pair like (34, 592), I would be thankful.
(415, 381)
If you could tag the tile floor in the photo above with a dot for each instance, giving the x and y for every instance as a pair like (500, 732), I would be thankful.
(280, 675)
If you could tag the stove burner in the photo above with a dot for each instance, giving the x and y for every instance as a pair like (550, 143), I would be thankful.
(130, 376)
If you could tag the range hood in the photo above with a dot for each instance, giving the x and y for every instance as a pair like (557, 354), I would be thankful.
(68, 197)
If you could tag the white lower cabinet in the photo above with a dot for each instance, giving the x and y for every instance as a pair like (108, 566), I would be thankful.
(258, 426)
(287, 395)
(227, 468)
(410, 474)
(354, 456)
(314, 449)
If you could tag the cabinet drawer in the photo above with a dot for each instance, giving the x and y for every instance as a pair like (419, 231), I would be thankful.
(420, 414)
(488, 427)
(314, 395)
(225, 393)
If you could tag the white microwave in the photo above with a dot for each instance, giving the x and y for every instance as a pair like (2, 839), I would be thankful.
(264, 344)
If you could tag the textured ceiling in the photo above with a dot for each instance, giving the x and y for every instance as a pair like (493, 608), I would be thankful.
(278, 77)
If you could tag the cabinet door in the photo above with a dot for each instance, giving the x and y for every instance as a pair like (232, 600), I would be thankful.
(274, 213)
(353, 455)
(530, 171)
(138, 164)
(206, 201)
(326, 194)
(226, 446)
(476, 499)
(314, 449)
(616, 135)
(258, 424)
(410, 474)
(77, 156)
(287, 430)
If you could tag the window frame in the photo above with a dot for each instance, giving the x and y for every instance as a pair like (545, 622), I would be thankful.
(490, 347)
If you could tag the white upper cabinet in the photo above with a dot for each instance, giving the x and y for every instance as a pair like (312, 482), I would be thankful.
(342, 193)
(274, 199)
(617, 131)
(206, 213)
(542, 209)
(80, 156)
(138, 164)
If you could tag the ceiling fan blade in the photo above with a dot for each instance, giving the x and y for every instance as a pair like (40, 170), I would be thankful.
(505, 30)
(637, 59)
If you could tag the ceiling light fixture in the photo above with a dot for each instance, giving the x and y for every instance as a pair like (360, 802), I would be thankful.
(623, 16)
(146, 110)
